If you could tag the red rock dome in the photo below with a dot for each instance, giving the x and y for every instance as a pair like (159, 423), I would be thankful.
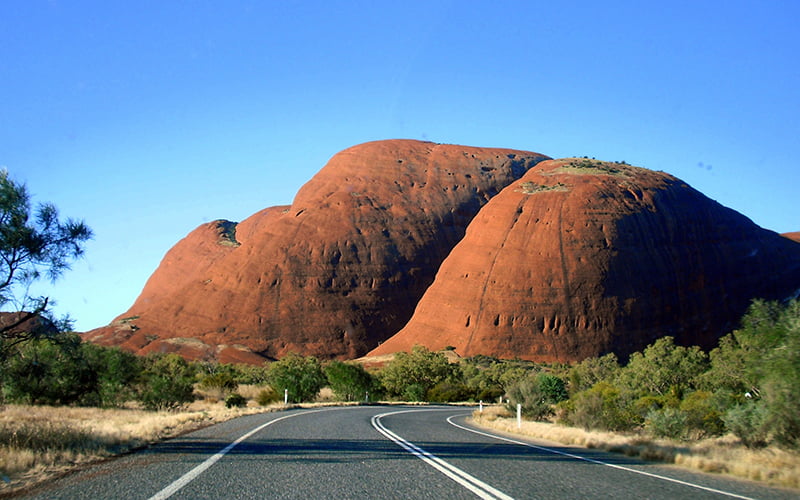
(580, 258)
(333, 274)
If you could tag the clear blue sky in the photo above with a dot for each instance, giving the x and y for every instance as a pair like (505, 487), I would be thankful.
(147, 119)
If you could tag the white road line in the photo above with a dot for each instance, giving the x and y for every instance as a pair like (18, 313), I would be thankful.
(466, 480)
(586, 459)
(192, 474)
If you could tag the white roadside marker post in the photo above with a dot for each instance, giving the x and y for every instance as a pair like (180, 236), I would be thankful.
(286, 396)
(519, 415)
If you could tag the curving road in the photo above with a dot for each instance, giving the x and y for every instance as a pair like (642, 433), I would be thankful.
(380, 452)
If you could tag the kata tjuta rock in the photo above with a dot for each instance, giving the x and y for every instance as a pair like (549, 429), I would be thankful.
(333, 274)
(580, 258)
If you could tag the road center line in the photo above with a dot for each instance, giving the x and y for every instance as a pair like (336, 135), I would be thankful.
(586, 459)
(466, 480)
(192, 474)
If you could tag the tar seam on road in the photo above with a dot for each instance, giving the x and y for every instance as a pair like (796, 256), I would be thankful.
(192, 474)
(466, 480)
(586, 459)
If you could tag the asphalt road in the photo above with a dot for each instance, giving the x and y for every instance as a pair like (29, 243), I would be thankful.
(380, 452)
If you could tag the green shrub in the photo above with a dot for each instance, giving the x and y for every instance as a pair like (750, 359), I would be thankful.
(537, 394)
(412, 375)
(223, 381)
(235, 400)
(49, 371)
(702, 414)
(667, 422)
(748, 422)
(414, 392)
(603, 407)
(349, 381)
(301, 376)
(267, 396)
(449, 392)
(168, 382)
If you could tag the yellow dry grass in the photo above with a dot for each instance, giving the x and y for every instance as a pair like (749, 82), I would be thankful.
(725, 454)
(38, 442)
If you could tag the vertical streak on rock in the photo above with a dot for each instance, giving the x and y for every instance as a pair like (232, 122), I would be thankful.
(489, 274)
(564, 271)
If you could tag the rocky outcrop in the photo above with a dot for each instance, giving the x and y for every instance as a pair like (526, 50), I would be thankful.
(334, 273)
(581, 258)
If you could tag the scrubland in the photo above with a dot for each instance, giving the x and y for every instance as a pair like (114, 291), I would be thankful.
(40, 442)
(723, 454)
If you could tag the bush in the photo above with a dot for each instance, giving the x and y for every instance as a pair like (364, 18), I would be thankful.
(267, 396)
(301, 376)
(52, 372)
(702, 413)
(448, 392)
(235, 400)
(221, 381)
(412, 375)
(603, 407)
(414, 392)
(748, 422)
(667, 422)
(349, 381)
(537, 395)
(117, 373)
(168, 382)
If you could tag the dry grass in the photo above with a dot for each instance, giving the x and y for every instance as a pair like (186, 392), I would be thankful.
(725, 455)
(38, 442)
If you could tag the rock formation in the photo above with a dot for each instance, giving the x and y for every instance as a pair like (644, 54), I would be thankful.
(333, 274)
(580, 258)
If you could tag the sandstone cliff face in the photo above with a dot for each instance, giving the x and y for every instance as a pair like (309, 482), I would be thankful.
(333, 274)
(581, 258)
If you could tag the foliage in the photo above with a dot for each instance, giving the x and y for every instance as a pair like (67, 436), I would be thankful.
(301, 376)
(223, 381)
(604, 407)
(168, 382)
(46, 371)
(761, 362)
(412, 375)
(537, 393)
(748, 421)
(349, 381)
(235, 400)
(490, 378)
(749, 385)
(267, 396)
(591, 371)
(663, 367)
(449, 392)
(667, 422)
(117, 373)
(33, 244)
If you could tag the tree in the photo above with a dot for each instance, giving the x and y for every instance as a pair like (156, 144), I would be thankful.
(168, 382)
(664, 367)
(412, 375)
(49, 372)
(590, 371)
(537, 393)
(33, 244)
(760, 364)
(301, 376)
(348, 381)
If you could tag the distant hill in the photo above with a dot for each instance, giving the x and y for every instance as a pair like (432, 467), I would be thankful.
(548, 260)
(580, 258)
(333, 274)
